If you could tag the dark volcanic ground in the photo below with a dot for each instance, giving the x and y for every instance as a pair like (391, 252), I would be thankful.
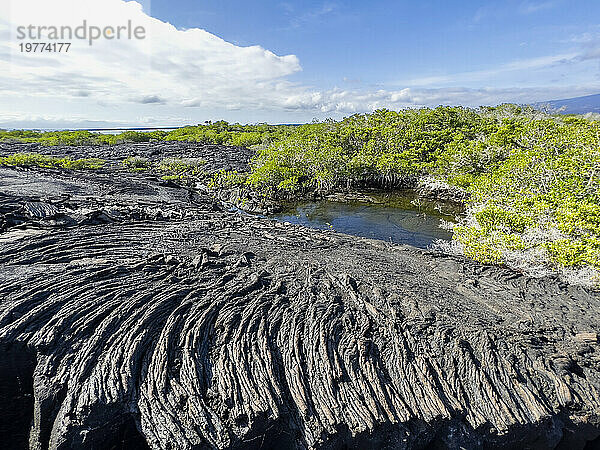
(217, 156)
(135, 313)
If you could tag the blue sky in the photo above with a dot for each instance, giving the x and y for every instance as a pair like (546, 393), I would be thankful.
(383, 43)
(290, 61)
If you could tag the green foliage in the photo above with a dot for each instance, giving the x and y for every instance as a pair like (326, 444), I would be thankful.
(28, 159)
(80, 164)
(533, 179)
(224, 179)
(245, 139)
(38, 160)
(219, 132)
(575, 253)
(51, 137)
(382, 148)
(133, 136)
(182, 168)
(224, 133)
(136, 164)
(544, 195)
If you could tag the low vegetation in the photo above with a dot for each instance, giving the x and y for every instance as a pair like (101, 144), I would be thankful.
(39, 160)
(220, 132)
(172, 169)
(531, 179)
(539, 207)
(225, 179)
(136, 164)
(182, 169)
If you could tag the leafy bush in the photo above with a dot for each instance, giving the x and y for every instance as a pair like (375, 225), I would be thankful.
(245, 139)
(136, 163)
(133, 136)
(385, 148)
(543, 199)
(28, 159)
(219, 132)
(79, 164)
(533, 180)
(39, 160)
(225, 179)
(188, 167)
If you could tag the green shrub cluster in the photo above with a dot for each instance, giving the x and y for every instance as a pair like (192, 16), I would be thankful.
(223, 133)
(544, 197)
(224, 179)
(136, 164)
(384, 148)
(177, 169)
(50, 137)
(220, 132)
(39, 160)
(533, 180)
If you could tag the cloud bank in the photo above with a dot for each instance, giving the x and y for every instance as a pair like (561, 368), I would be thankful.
(189, 73)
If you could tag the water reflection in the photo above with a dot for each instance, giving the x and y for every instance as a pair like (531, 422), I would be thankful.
(400, 217)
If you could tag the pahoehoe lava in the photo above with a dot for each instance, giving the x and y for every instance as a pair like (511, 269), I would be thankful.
(138, 314)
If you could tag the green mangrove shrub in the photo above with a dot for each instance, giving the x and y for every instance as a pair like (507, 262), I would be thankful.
(220, 132)
(532, 179)
(224, 179)
(178, 168)
(540, 205)
(39, 160)
(136, 164)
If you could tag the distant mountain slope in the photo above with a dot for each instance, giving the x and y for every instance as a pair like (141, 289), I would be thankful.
(577, 105)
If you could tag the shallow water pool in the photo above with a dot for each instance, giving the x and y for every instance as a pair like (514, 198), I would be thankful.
(400, 217)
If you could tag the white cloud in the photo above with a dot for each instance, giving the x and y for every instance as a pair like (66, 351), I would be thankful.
(179, 66)
(530, 7)
(314, 15)
(338, 102)
(522, 66)
(178, 76)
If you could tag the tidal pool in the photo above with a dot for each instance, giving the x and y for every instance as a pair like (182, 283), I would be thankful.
(399, 217)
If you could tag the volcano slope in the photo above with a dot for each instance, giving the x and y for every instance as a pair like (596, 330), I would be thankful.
(138, 314)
